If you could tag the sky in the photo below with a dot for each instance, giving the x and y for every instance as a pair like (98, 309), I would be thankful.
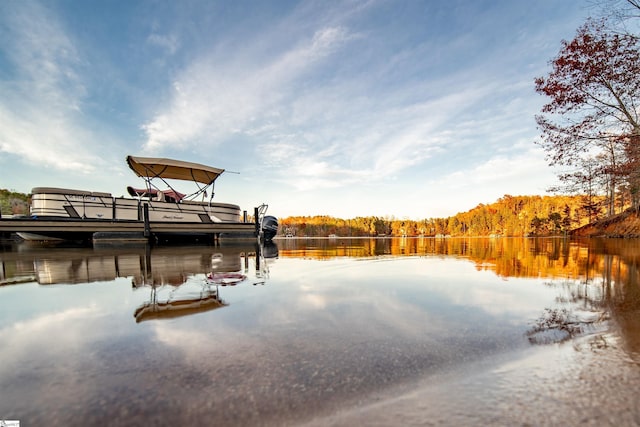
(405, 109)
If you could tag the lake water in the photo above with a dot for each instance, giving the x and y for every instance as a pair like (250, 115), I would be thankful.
(402, 331)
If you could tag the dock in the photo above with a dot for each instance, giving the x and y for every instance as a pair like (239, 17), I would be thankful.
(153, 232)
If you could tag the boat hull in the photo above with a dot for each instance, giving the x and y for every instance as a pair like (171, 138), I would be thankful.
(59, 214)
(52, 230)
(77, 204)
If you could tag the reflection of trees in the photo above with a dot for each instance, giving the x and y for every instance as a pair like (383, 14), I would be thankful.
(507, 257)
(618, 263)
(596, 276)
(612, 263)
(581, 307)
(556, 325)
(608, 285)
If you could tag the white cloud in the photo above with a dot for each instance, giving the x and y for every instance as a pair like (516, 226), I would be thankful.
(42, 102)
(216, 96)
(338, 145)
(519, 173)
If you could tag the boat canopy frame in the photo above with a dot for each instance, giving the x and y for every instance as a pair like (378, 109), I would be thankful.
(150, 168)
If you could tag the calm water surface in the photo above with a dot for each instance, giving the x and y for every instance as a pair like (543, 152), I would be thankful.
(323, 332)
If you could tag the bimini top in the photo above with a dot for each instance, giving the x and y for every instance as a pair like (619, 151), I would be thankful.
(172, 309)
(148, 168)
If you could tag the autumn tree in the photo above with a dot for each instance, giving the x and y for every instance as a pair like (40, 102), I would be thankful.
(594, 90)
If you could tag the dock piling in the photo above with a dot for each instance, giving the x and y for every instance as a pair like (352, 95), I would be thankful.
(145, 214)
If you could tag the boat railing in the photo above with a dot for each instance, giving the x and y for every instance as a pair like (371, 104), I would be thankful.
(261, 212)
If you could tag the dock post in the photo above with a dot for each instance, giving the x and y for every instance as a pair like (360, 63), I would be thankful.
(147, 263)
(258, 256)
(257, 221)
(145, 215)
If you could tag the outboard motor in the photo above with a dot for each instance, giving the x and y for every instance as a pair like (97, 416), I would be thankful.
(269, 227)
(269, 250)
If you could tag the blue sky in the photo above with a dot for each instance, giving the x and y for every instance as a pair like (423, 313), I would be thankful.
(411, 109)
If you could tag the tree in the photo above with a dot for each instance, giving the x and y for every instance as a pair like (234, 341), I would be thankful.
(586, 180)
(13, 203)
(620, 11)
(594, 90)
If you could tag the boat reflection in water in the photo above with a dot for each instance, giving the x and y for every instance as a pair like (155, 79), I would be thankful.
(180, 280)
(179, 301)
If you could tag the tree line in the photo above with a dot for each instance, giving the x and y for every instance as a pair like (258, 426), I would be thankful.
(508, 216)
(13, 203)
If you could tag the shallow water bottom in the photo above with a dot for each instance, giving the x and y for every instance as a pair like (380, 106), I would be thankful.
(590, 380)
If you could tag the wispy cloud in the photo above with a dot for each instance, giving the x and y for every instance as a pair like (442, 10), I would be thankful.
(395, 134)
(43, 93)
(316, 126)
(169, 42)
(216, 97)
(521, 172)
